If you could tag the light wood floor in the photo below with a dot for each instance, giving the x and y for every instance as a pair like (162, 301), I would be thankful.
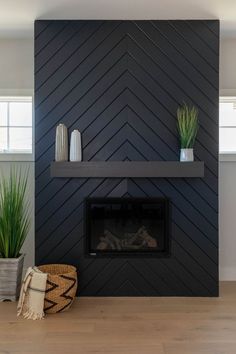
(127, 325)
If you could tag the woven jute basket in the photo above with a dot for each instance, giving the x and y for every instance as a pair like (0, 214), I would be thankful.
(61, 287)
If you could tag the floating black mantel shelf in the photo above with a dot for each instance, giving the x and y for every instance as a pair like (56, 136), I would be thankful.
(135, 169)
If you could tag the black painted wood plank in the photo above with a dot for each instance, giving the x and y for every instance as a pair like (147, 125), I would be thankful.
(135, 169)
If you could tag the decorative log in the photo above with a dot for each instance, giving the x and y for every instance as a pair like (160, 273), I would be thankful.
(102, 245)
(115, 240)
(151, 242)
(109, 243)
(133, 241)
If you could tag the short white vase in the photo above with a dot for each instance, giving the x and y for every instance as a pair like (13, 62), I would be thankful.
(186, 155)
(61, 149)
(75, 146)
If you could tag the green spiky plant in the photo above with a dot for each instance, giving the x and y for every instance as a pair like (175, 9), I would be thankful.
(14, 214)
(187, 124)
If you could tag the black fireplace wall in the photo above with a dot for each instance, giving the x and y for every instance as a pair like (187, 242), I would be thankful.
(120, 83)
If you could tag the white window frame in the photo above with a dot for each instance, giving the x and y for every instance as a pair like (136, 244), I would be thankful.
(19, 156)
(227, 156)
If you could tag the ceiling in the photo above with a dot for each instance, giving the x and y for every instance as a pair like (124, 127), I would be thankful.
(17, 16)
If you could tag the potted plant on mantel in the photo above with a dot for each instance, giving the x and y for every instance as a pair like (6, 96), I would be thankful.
(187, 123)
(14, 226)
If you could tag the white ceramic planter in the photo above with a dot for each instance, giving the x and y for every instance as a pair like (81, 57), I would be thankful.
(61, 149)
(75, 146)
(186, 155)
(10, 277)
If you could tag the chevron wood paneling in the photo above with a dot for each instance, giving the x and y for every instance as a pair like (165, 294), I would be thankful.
(120, 83)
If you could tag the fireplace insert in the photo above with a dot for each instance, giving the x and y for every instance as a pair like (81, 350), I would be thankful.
(127, 227)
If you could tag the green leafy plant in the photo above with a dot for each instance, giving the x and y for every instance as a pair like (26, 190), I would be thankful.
(187, 124)
(14, 214)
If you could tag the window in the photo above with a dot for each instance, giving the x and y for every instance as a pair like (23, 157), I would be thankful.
(16, 125)
(227, 122)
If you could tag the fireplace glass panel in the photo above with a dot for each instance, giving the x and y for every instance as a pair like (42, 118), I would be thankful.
(127, 226)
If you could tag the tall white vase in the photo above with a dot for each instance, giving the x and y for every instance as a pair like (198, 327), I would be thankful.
(75, 146)
(61, 149)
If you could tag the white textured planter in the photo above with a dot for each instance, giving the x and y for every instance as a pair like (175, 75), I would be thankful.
(75, 146)
(10, 277)
(61, 149)
(186, 155)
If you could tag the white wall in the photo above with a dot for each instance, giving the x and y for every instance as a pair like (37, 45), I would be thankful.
(227, 220)
(228, 65)
(16, 77)
(227, 170)
(16, 65)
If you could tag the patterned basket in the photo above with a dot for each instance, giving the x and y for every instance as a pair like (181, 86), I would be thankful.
(61, 287)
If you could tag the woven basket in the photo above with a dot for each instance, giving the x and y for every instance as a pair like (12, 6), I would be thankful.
(61, 287)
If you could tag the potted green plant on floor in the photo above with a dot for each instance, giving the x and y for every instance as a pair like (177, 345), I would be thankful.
(187, 124)
(14, 226)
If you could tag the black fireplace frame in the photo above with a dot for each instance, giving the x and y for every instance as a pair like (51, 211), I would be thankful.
(127, 254)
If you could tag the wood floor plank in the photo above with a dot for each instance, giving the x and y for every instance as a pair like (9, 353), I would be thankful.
(128, 326)
(199, 348)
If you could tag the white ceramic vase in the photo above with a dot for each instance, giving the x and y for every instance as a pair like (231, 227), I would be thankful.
(75, 146)
(186, 155)
(61, 149)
